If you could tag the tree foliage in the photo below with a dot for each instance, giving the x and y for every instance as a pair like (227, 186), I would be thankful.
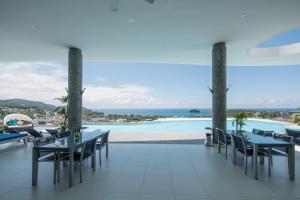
(239, 120)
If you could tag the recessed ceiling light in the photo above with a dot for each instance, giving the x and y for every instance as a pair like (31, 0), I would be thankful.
(243, 16)
(131, 20)
(33, 26)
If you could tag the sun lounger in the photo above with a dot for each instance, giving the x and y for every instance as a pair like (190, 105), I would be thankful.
(13, 137)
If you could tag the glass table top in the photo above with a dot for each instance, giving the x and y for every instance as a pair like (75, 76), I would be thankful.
(72, 141)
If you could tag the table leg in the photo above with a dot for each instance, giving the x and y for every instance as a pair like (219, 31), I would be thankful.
(255, 161)
(262, 160)
(34, 166)
(291, 162)
(234, 156)
(269, 160)
(71, 167)
(26, 141)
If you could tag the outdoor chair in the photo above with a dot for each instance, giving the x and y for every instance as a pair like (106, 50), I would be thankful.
(280, 151)
(83, 152)
(39, 138)
(103, 143)
(262, 132)
(64, 134)
(48, 156)
(12, 131)
(295, 134)
(53, 132)
(268, 133)
(247, 151)
(223, 139)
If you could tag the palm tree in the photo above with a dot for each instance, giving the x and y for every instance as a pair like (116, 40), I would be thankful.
(62, 110)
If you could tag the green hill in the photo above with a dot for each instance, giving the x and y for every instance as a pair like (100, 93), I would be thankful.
(37, 108)
(27, 103)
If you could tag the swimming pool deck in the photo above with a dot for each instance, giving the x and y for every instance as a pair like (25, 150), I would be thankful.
(150, 172)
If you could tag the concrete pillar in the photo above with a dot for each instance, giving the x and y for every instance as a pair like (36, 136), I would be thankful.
(74, 108)
(219, 86)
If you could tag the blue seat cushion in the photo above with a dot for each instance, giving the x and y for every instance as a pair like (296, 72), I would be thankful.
(4, 137)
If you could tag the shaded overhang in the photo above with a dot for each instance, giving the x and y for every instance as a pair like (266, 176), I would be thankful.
(167, 31)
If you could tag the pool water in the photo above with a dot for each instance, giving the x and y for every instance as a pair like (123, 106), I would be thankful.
(180, 126)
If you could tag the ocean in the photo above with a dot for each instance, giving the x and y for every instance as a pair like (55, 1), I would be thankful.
(182, 112)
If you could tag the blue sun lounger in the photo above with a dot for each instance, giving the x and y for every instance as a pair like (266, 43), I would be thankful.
(13, 137)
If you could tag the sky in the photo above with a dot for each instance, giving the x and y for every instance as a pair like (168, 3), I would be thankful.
(140, 85)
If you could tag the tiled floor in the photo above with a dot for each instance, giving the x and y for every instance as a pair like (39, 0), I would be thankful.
(149, 172)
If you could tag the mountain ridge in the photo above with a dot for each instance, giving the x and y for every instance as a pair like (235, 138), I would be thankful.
(31, 103)
(27, 103)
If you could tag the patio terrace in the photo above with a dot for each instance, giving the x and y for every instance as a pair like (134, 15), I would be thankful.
(149, 171)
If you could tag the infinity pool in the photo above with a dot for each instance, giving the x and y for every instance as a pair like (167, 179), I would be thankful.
(180, 126)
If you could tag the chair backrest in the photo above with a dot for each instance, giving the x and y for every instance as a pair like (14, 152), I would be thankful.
(294, 133)
(268, 133)
(90, 147)
(64, 134)
(221, 135)
(104, 138)
(11, 131)
(262, 132)
(81, 149)
(286, 138)
(53, 132)
(258, 131)
(34, 133)
(238, 143)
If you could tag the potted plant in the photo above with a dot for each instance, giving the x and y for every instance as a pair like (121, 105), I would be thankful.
(239, 119)
(62, 111)
(208, 141)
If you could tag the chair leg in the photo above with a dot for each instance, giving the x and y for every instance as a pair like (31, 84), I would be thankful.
(54, 172)
(226, 151)
(100, 156)
(234, 156)
(94, 162)
(80, 171)
(106, 150)
(271, 160)
(58, 167)
(269, 165)
(58, 171)
(219, 147)
(246, 164)
(65, 163)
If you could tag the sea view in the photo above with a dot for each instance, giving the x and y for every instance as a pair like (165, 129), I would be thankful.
(181, 112)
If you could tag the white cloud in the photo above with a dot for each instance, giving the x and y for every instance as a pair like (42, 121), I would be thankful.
(121, 96)
(33, 81)
(46, 81)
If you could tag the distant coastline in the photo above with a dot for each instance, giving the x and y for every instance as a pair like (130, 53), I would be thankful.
(181, 112)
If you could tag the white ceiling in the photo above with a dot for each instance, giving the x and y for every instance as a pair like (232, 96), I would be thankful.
(169, 31)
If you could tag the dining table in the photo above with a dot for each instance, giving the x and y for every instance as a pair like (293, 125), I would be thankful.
(64, 145)
(266, 142)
